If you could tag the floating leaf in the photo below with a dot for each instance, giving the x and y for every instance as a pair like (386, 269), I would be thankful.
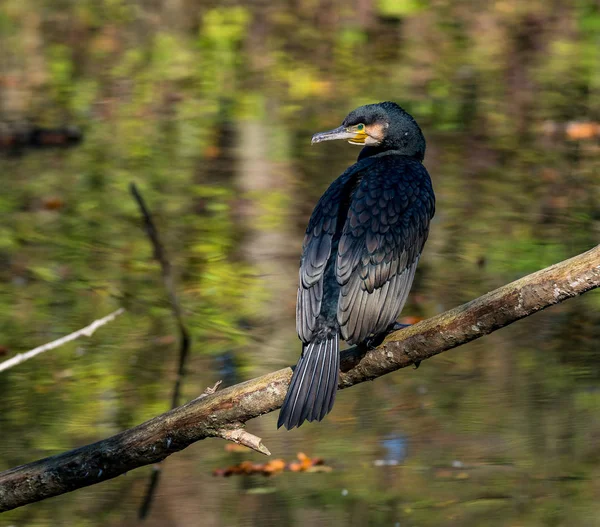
(275, 466)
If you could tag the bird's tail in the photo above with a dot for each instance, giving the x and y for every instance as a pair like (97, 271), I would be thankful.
(314, 384)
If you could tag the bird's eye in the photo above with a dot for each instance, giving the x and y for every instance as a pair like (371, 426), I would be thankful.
(360, 127)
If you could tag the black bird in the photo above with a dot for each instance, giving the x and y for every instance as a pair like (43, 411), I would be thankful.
(362, 246)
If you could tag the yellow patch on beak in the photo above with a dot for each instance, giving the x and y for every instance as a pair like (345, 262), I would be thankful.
(371, 134)
(359, 138)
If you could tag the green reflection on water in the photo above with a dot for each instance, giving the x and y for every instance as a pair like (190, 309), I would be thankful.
(210, 111)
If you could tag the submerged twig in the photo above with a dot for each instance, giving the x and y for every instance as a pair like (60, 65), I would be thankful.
(184, 336)
(167, 275)
(87, 331)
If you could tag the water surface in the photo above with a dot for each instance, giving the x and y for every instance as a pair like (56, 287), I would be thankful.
(209, 110)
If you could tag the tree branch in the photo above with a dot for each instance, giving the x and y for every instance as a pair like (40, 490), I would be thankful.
(241, 437)
(87, 331)
(224, 412)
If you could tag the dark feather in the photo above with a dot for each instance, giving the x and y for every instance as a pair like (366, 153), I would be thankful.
(312, 391)
(384, 233)
(318, 246)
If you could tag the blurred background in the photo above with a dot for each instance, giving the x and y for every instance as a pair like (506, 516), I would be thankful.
(209, 108)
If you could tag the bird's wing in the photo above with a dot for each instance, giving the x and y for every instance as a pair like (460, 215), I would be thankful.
(316, 250)
(383, 236)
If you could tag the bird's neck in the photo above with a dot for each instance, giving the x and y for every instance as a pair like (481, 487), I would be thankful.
(370, 151)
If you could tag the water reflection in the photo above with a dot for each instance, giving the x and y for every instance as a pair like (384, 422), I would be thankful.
(395, 451)
(210, 110)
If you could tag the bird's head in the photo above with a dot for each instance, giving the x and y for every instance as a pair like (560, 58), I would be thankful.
(382, 126)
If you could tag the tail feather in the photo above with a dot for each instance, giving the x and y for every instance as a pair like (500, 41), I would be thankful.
(311, 394)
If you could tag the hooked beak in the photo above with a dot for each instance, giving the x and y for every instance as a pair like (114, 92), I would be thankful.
(331, 135)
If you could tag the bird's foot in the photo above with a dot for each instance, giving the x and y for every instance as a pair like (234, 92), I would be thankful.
(372, 342)
(376, 340)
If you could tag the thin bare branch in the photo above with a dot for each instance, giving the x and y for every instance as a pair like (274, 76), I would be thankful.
(87, 331)
(230, 408)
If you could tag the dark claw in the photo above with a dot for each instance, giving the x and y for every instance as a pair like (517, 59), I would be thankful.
(372, 342)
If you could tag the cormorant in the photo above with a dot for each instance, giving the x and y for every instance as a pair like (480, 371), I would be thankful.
(362, 246)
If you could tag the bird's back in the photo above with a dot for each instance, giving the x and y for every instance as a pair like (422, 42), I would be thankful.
(362, 246)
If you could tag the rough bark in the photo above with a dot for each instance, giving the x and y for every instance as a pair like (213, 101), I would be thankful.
(224, 413)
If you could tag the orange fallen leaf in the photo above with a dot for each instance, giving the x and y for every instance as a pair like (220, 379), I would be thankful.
(275, 466)
(211, 152)
(304, 463)
(246, 467)
(583, 130)
(53, 203)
